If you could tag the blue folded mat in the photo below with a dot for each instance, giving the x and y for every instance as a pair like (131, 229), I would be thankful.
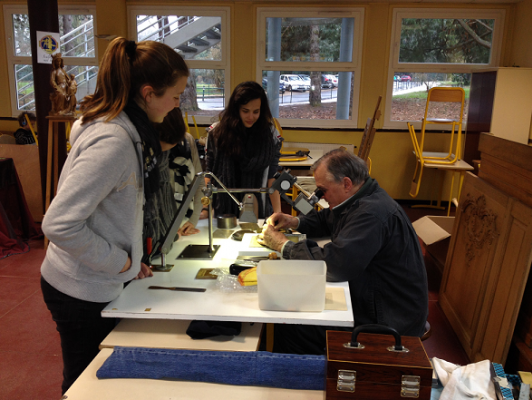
(255, 368)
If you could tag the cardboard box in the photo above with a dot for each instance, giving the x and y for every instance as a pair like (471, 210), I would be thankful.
(291, 285)
(435, 232)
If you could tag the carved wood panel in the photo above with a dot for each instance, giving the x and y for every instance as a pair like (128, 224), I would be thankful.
(486, 269)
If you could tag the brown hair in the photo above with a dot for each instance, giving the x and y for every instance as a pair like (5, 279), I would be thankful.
(172, 129)
(231, 129)
(125, 68)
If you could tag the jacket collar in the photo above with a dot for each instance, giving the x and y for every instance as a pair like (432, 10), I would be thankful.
(363, 191)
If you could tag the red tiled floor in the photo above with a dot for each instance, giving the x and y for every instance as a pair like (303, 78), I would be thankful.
(30, 352)
(31, 328)
(14, 291)
(30, 376)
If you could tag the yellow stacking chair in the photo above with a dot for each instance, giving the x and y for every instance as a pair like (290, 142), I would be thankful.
(450, 159)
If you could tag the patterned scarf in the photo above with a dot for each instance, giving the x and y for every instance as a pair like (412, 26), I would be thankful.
(160, 209)
(151, 147)
(182, 167)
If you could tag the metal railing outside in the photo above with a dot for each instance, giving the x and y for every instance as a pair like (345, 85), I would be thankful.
(211, 93)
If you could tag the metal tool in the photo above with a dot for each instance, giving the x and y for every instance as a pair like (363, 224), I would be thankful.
(182, 289)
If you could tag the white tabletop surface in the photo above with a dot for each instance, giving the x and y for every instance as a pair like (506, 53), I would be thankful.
(137, 301)
(89, 387)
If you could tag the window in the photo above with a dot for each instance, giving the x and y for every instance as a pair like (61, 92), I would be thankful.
(308, 61)
(78, 49)
(201, 36)
(436, 47)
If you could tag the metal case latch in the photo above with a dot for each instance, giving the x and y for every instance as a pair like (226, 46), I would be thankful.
(410, 385)
(346, 380)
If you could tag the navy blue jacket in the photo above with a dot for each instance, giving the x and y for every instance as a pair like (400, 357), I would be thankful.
(375, 248)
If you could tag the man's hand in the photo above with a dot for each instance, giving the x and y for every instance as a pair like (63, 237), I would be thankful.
(282, 221)
(272, 238)
(187, 229)
(145, 272)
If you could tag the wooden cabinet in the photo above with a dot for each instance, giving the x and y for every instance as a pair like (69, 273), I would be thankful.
(500, 102)
(488, 262)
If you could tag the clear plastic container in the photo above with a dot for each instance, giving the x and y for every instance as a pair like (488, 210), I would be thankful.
(291, 285)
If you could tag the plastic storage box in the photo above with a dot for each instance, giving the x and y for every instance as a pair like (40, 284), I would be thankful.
(291, 285)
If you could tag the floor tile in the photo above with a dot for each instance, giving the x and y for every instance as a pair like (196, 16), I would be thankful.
(30, 376)
(15, 290)
(443, 343)
(26, 265)
(31, 328)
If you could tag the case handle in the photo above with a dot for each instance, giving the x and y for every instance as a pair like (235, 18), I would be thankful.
(378, 329)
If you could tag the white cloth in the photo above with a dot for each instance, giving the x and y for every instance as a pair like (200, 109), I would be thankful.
(472, 381)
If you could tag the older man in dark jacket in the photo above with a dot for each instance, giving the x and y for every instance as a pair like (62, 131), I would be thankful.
(373, 246)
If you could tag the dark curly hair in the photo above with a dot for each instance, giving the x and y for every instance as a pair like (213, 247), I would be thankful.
(230, 130)
(22, 118)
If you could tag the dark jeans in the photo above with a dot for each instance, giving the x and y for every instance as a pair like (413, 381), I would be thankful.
(80, 327)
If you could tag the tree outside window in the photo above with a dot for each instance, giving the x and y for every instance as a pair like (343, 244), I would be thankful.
(309, 65)
(431, 51)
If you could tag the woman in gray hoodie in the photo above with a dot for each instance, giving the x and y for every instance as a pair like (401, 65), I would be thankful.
(94, 223)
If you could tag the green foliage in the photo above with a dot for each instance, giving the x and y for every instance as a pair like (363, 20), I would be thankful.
(461, 79)
(434, 40)
(296, 38)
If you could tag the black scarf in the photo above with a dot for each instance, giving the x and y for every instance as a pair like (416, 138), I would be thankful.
(151, 147)
(244, 171)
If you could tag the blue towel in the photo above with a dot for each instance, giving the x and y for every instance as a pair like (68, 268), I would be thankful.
(256, 368)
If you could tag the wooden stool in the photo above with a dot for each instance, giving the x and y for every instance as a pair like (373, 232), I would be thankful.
(54, 122)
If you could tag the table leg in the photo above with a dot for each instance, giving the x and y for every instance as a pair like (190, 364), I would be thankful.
(56, 157)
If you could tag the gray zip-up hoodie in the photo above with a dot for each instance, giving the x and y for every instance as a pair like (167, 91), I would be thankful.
(95, 220)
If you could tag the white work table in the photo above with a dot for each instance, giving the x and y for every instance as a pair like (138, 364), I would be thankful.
(137, 301)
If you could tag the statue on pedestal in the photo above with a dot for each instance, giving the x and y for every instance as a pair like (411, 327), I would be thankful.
(65, 87)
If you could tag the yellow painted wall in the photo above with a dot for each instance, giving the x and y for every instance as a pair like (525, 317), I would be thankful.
(522, 39)
(110, 23)
(393, 161)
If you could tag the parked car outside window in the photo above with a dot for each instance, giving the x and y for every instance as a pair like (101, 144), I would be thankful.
(265, 85)
(306, 79)
(293, 82)
(328, 81)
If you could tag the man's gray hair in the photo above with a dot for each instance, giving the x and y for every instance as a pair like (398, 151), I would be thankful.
(341, 163)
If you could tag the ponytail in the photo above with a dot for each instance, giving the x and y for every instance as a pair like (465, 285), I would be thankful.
(125, 68)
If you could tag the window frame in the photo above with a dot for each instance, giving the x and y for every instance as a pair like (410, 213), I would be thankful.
(394, 66)
(223, 12)
(354, 66)
(13, 59)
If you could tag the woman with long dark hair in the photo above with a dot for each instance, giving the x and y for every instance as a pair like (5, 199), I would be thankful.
(243, 149)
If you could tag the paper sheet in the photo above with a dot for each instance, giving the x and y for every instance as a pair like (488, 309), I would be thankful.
(335, 299)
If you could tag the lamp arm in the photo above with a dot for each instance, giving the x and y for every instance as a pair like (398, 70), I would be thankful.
(207, 191)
